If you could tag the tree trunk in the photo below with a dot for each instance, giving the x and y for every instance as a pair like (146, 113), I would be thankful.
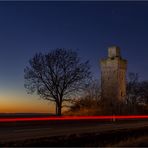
(58, 109)
(59, 113)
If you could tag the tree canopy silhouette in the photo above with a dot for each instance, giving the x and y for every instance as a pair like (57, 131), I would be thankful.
(56, 76)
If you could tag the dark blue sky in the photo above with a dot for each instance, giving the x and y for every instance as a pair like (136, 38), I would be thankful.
(88, 27)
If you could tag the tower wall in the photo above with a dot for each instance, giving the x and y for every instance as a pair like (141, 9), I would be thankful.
(113, 75)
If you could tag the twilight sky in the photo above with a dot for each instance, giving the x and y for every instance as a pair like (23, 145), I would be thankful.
(87, 27)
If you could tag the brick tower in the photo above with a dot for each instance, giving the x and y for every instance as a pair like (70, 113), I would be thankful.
(113, 75)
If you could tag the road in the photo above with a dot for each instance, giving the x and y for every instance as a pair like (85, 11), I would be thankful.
(30, 130)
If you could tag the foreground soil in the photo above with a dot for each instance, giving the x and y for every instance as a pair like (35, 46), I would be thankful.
(141, 141)
(126, 138)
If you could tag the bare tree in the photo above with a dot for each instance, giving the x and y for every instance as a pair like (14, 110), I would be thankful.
(89, 99)
(133, 92)
(93, 90)
(143, 92)
(133, 88)
(56, 76)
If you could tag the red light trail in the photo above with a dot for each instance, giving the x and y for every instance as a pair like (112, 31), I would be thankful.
(73, 118)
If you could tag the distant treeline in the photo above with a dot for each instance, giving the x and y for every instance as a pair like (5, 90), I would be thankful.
(25, 114)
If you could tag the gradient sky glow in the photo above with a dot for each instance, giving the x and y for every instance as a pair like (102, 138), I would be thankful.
(87, 27)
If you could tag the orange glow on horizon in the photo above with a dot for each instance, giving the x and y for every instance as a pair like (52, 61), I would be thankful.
(23, 103)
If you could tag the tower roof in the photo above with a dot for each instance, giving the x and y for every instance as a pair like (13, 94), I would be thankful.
(113, 51)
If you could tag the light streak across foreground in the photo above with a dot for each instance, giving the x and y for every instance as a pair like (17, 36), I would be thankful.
(73, 118)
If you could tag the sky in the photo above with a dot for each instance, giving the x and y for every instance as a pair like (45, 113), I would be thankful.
(86, 27)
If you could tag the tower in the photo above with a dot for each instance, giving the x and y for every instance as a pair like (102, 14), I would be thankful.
(113, 75)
